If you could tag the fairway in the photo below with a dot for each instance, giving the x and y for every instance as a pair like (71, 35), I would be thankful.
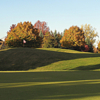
(49, 74)
(49, 50)
(59, 85)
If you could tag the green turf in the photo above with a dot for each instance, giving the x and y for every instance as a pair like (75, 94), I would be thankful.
(47, 59)
(49, 74)
(59, 85)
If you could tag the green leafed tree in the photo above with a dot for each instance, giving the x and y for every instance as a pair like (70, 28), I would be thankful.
(41, 34)
(49, 41)
(89, 44)
(57, 37)
(55, 33)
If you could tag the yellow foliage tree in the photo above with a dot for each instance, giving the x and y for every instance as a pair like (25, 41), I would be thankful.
(99, 47)
(23, 31)
(73, 37)
(89, 32)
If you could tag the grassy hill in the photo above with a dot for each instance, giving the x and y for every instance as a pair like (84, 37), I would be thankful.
(48, 74)
(47, 59)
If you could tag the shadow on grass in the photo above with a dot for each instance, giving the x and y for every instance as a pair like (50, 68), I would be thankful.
(28, 58)
(89, 67)
(51, 91)
(50, 85)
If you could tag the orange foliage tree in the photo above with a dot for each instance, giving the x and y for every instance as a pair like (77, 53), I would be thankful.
(12, 27)
(99, 47)
(73, 37)
(23, 31)
(41, 26)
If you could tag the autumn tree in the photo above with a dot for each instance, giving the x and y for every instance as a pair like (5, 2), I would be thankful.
(63, 32)
(89, 33)
(41, 26)
(23, 31)
(73, 37)
(12, 27)
(99, 47)
(49, 41)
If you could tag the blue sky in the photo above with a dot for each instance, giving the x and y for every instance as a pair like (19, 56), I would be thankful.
(59, 14)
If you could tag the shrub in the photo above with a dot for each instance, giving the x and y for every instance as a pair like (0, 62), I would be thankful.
(86, 48)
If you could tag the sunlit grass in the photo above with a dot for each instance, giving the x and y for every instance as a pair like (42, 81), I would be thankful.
(60, 83)
(47, 59)
(70, 64)
(49, 74)
(56, 85)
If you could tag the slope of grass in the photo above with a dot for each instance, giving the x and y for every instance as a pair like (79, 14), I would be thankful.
(47, 59)
(59, 82)
(61, 85)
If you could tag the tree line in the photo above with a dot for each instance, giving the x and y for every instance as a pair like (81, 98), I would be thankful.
(40, 36)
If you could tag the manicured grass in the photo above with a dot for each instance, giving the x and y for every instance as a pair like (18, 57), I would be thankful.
(49, 74)
(46, 59)
(58, 85)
